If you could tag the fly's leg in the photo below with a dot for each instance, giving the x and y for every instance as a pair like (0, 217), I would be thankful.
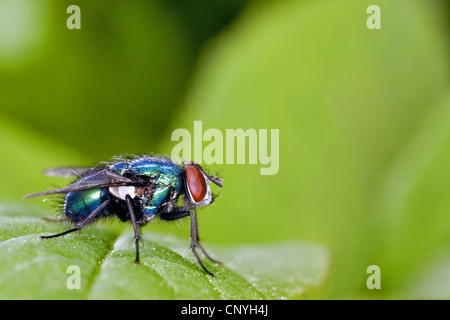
(137, 237)
(91, 217)
(195, 243)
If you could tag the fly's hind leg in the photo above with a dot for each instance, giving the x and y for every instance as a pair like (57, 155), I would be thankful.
(91, 217)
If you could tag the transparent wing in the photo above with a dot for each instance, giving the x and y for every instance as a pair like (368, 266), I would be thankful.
(67, 172)
(98, 179)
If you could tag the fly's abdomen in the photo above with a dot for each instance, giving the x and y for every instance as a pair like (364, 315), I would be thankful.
(78, 205)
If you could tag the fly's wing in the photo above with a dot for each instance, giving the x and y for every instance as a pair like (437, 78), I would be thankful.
(100, 179)
(67, 172)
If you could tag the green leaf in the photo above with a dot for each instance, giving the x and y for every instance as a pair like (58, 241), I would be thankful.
(38, 269)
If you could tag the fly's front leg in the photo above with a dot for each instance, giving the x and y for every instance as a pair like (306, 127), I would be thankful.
(181, 213)
(195, 241)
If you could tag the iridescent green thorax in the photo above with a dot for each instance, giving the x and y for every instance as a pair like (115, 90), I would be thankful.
(165, 177)
(161, 171)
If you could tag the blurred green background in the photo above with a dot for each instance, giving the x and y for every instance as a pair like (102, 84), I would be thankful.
(363, 116)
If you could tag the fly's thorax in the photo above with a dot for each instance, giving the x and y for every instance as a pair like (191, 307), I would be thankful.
(148, 195)
(160, 171)
(145, 193)
(152, 198)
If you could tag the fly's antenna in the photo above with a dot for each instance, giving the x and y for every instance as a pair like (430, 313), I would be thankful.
(217, 181)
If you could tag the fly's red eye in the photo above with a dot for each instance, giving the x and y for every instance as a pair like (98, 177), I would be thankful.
(196, 182)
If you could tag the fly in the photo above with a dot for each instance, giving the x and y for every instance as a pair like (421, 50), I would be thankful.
(136, 188)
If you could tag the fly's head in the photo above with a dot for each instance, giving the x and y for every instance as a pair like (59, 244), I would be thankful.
(197, 184)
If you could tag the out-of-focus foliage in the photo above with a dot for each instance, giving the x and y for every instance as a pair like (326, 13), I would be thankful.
(363, 117)
(103, 257)
(110, 87)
